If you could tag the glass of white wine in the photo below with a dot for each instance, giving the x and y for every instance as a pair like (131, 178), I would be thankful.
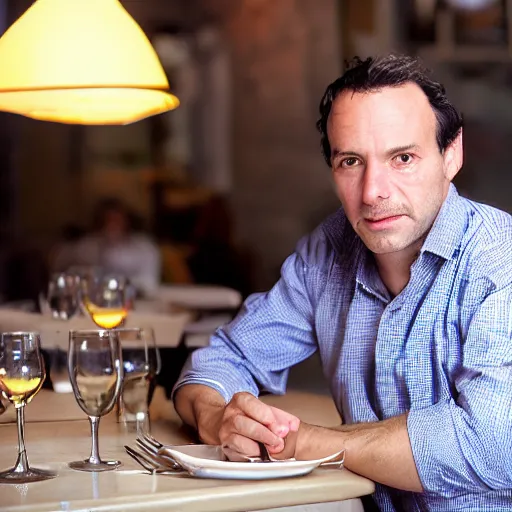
(96, 375)
(21, 376)
(141, 364)
(107, 298)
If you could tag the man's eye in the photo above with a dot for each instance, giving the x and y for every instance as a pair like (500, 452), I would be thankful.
(349, 162)
(406, 158)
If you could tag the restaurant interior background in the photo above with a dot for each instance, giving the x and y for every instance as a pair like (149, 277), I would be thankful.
(237, 167)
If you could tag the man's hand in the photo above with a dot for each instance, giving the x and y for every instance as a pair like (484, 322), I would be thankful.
(238, 425)
(247, 420)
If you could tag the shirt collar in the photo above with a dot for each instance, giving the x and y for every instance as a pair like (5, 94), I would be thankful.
(355, 254)
(368, 276)
(451, 222)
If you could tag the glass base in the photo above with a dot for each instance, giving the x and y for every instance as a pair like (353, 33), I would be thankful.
(138, 427)
(25, 477)
(85, 465)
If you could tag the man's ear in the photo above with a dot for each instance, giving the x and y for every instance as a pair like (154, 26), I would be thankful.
(453, 157)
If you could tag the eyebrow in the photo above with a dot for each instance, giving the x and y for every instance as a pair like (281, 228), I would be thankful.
(336, 153)
(401, 149)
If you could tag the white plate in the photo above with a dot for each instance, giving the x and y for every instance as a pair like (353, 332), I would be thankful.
(206, 461)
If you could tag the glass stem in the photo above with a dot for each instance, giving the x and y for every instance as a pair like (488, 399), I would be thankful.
(143, 424)
(95, 454)
(119, 408)
(22, 461)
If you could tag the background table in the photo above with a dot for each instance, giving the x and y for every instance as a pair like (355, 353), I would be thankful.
(175, 312)
(55, 333)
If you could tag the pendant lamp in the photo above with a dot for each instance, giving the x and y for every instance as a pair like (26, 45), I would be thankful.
(471, 5)
(81, 62)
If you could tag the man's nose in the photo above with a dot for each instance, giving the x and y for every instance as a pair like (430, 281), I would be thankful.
(376, 186)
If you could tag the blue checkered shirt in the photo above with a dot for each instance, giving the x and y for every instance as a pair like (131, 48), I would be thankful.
(441, 349)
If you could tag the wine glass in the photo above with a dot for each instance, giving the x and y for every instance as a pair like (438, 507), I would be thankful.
(96, 375)
(62, 296)
(59, 374)
(107, 298)
(141, 364)
(21, 376)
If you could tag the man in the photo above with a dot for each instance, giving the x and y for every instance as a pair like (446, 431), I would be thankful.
(406, 292)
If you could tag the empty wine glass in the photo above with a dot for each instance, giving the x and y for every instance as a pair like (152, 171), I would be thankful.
(107, 298)
(62, 296)
(141, 364)
(96, 375)
(21, 376)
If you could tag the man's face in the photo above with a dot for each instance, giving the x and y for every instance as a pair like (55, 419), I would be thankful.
(388, 170)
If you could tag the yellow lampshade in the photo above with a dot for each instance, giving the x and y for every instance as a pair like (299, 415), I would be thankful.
(83, 62)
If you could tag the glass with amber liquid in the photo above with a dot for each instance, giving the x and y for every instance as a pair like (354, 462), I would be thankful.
(106, 298)
(21, 376)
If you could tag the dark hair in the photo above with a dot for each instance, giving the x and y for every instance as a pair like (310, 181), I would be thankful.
(376, 73)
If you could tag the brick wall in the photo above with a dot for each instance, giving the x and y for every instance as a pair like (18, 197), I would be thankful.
(284, 54)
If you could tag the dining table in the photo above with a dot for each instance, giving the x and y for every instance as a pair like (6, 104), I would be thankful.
(57, 432)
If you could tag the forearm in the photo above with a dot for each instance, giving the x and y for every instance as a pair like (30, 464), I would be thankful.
(380, 451)
(200, 407)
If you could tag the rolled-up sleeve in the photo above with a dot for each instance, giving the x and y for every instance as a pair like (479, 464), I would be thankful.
(464, 443)
(272, 332)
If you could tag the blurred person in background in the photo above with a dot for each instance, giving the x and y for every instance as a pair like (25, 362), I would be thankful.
(406, 292)
(116, 245)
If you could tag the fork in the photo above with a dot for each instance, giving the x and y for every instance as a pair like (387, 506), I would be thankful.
(151, 440)
(152, 451)
(151, 465)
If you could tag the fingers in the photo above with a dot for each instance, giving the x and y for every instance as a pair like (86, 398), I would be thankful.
(237, 446)
(285, 418)
(235, 456)
(253, 407)
(239, 424)
(278, 421)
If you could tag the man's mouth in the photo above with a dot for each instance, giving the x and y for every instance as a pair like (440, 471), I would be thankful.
(382, 222)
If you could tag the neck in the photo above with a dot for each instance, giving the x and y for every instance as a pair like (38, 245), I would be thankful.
(395, 267)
